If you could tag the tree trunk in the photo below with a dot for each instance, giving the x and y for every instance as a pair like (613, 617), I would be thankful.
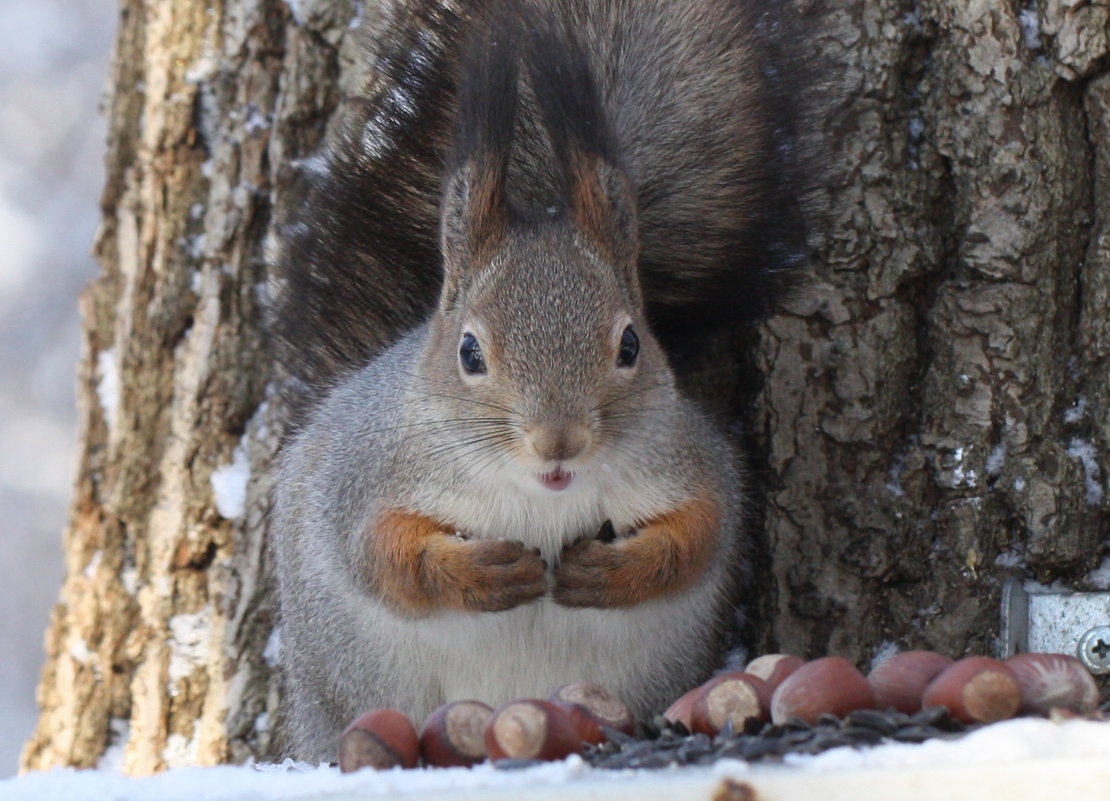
(157, 644)
(934, 418)
(936, 414)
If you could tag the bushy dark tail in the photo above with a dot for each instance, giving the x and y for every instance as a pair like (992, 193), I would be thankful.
(566, 91)
(697, 108)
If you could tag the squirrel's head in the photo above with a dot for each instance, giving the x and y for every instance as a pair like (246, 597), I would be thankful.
(541, 338)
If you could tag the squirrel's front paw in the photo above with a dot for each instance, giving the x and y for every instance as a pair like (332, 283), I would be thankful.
(663, 556)
(421, 568)
(588, 574)
(496, 575)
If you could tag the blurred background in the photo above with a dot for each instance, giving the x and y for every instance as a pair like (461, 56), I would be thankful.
(53, 68)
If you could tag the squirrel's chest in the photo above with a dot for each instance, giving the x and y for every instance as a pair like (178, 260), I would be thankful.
(539, 518)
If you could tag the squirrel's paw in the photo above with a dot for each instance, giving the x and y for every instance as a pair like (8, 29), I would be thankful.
(500, 575)
(588, 574)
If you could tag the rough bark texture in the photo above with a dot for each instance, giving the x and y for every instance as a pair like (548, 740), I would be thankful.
(936, 406)
(935, 415)
(157, 643)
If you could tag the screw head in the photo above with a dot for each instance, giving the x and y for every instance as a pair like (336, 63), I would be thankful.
(1094, 649)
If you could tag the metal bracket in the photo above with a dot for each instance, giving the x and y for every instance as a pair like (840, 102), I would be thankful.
(1075, 623)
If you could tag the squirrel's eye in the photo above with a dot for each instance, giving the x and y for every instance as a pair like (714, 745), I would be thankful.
(470, 355)
(630, 348)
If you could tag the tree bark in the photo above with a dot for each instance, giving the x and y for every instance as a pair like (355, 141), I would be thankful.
(935, 414)
(936, 408)
(158, 642)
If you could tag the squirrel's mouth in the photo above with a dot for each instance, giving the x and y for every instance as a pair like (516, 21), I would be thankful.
(556, 480)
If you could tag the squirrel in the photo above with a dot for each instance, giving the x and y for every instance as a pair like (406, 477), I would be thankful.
(485, 297)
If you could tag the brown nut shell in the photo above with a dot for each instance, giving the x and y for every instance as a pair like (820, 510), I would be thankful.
(774, 668)
(976, 689)
(591, 707)
(1053, 681)
(454, 734)
(729, 698)
(381, 738)
(531, 729)
(827, 686)
(681, 711)
(900, 682)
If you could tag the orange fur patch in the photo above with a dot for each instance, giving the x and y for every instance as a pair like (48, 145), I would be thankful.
(420, 566)
(668, 554)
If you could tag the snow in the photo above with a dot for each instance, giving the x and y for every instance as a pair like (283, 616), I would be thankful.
(256, 121)
(1013, 741)
(272, 652)
(996, 459)
(229, 484)
(356, 19)
(180, 750)
(1018, 743)
(961, 475)
(195, 246)
(1031, 27)
(203, 69)
(119, 732)
(1100, 576)
(94, 563)
(885, 651)
(297, 10)
(1085, 452)
(129, 578)
(285, 781)
(1077, 411)
(189, 644)
(79, 650)
(894, 486)
(107, 383)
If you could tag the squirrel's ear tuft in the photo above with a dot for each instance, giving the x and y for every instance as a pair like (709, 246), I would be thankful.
(598, 194)
(603, 208)
(474, 210)
(473, 219)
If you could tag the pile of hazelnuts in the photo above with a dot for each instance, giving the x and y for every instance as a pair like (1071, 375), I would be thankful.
(776, 688)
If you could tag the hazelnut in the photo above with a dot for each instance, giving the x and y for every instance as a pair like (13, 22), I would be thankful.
(454, 734)
(590, 707)
(531, 729)
(1053, 681)
(976, 689)
(774, 668)
(900, 681)
(382, 738)
(729, 698)
(681, 711)
(827, 686)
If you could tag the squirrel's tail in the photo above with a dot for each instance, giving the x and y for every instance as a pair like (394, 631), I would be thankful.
(694, 100)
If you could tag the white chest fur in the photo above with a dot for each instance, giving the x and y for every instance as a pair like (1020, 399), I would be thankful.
(531, 650)
(509, 503)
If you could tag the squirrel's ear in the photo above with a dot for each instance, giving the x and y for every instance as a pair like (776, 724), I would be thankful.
(597, 192)
(473, 220)
(474, 213)
(603, 208)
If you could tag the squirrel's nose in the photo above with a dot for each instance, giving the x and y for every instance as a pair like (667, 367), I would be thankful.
(558, 442)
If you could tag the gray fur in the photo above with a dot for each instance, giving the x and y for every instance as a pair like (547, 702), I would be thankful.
(547, 295)
(700, 96)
